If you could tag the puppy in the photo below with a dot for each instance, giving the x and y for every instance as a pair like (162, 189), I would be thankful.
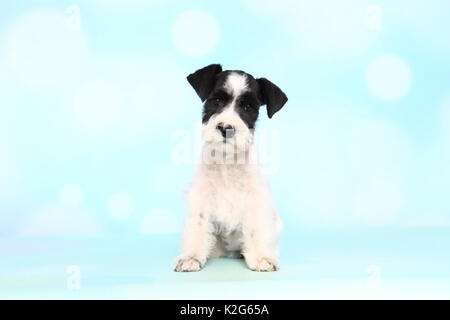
(230, 210)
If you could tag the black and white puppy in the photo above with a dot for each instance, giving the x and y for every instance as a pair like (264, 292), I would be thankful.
(230, 209)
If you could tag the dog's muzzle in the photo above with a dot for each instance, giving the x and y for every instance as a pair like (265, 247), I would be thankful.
(226, 130)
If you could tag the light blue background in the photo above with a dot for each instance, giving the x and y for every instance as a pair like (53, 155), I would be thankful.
(89, 115)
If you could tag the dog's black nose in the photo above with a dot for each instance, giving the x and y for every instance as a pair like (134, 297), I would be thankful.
(226, 130)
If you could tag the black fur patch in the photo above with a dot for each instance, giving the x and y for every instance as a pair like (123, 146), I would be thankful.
(209, 83)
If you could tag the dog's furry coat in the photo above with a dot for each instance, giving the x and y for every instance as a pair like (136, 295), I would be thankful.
(230, 208)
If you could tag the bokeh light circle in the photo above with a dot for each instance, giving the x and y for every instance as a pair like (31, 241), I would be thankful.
(388, 77)
(42, 49)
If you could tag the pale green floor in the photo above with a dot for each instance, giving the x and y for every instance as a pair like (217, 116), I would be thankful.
(407, 263)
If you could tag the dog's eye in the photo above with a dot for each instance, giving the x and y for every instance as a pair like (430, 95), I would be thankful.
(216, 101)
(248, 108)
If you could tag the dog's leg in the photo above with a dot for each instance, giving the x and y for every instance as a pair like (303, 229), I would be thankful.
(261, 232)
(198, 240)
(258, 254)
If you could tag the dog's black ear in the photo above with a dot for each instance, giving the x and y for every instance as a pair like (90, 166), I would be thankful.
(271, 95)
(203, 80)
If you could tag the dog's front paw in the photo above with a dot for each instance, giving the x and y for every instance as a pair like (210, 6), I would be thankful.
(263, 264)
(187, 264)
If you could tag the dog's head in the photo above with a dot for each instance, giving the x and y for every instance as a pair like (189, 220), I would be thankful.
(232, 100)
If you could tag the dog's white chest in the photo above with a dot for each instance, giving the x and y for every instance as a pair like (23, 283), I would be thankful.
(228, 196)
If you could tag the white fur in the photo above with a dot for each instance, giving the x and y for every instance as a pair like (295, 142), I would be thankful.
(230, 209)
(236, 83)
(242, 137)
